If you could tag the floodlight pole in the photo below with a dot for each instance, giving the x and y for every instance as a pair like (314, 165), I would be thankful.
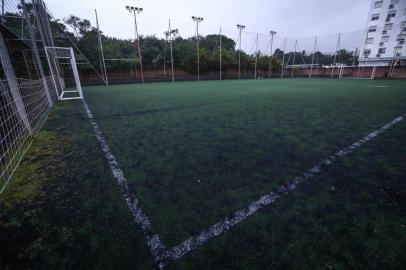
(256, 58)
(294, 58)
(197, 20)
(355, 55)
(273, 33)
(2, 10)
(240, 29)
(335, 55)
(220, 53)
(283, 58)
(136, 10)
(102, 61)
(314, 52)
(170, 44)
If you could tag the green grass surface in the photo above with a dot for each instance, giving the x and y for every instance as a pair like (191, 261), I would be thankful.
(193, 153)
(196, 152)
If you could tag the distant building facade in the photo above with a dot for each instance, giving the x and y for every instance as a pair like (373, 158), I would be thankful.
(384, 41)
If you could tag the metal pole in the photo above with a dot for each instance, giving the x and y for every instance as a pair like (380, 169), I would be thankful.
(294, 58)
(138, 43)
(22, 29)
(283, 58)
(256, 58)
(270, 57)
(170, 43)
(167, 34)
(197, 46)
(240, 28)
(36, 52)
(102, 60)
(220, 53)
(355, 55)
(239, 55)
(2, 10)
(335, 55)
(24, 53)
(314, 52)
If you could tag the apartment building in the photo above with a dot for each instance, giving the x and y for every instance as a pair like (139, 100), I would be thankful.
(385, 34)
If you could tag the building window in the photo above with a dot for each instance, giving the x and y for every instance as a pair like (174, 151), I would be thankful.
(381, 50)
(372, 29)
(375, 17)
(367, 52)
(388, 26)
(403, 26)
(401, 39)
(397, 50)
(370, 40)
(394, 2)
(385, 39)
(391, 14)
(378, 4)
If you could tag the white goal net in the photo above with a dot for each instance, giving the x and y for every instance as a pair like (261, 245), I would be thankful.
(357, 72)
(64, 72)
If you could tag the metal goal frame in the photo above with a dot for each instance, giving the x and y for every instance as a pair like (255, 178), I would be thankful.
(53, 54)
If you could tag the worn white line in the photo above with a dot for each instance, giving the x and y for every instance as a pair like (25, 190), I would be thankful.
(153, 242)
(193, 242)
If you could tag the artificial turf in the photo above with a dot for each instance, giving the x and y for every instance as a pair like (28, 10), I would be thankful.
(193, 153)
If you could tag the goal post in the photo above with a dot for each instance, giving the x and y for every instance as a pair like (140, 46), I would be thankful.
(357, 72)
(64, 72)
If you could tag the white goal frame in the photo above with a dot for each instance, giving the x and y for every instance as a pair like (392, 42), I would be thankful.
(359, 72)
(53, 54)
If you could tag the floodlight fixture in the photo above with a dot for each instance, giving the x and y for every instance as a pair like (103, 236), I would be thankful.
(197, 19)
(240, 29)
(240, 26)
(136, 10)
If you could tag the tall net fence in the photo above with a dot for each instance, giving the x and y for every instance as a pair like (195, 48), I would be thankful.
(27, 92)
(111, 46)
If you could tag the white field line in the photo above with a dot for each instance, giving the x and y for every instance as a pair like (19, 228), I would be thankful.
(153, 242)
(193, 242)
(161, 254)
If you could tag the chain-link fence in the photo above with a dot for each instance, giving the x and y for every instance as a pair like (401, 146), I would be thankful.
(111, 47)
(26, 90)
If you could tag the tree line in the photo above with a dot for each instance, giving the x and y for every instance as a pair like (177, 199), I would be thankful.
(156, 54)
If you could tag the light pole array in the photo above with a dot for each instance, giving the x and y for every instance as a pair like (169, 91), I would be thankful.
(135, 11)
(273, 33)
(240, 29)
(197, 20)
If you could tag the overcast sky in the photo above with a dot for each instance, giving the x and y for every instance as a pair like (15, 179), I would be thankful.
(294, 19)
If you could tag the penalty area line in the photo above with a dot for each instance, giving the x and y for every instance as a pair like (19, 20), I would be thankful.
(221, 227)
(152, 239)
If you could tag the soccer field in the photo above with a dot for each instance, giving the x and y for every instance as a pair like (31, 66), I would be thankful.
(194, 153)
